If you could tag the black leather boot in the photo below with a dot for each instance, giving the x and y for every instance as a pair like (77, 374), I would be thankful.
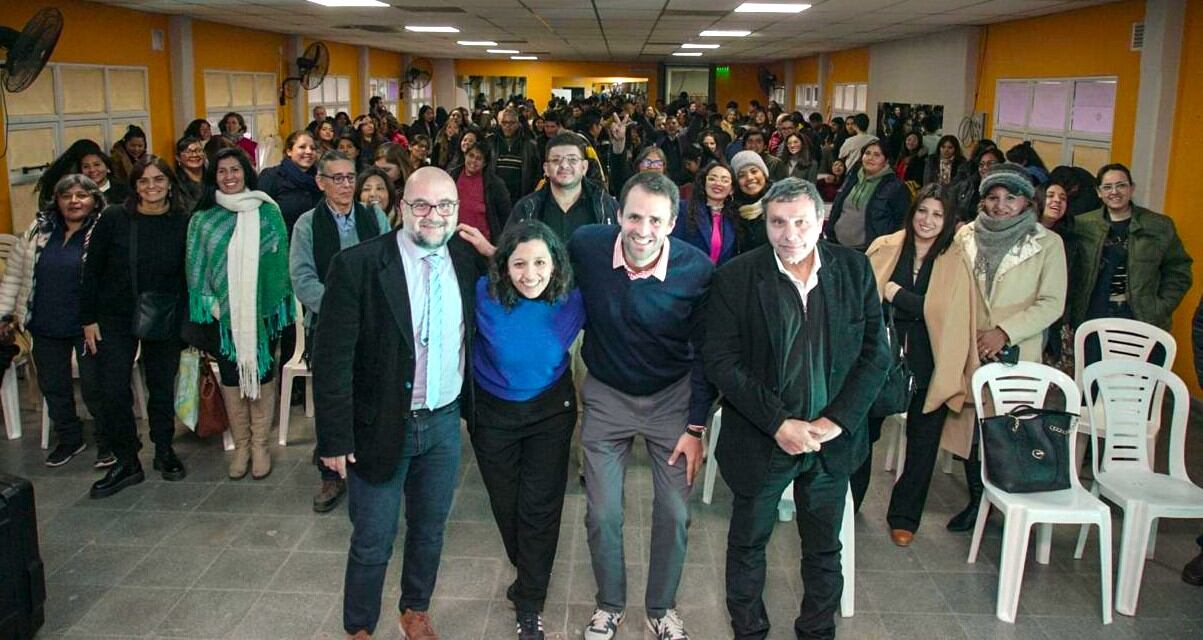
(168, 464)
(967, 518)
(125, 473)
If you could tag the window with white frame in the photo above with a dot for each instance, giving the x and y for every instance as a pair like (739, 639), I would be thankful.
(1067, 120)
(806, 96)
(388, 90)
(69, 102)
(849, 99)
(334, 94)
(417, 97)
(251, 95)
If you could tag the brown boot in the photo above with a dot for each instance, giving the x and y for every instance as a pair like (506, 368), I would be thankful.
(415, 625)
(262, 411)
(238, 410)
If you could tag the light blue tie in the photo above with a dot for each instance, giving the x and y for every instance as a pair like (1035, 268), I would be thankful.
(433, 329)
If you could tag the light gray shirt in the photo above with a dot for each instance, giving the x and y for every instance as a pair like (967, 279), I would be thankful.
(451, 375)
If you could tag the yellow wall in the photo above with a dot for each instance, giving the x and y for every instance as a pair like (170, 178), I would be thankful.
(806, 70)
(539, 73)
(229, 48)
(89, 33)
(1086, 42)
(1184, 191)
(847, 66)
(742, 84)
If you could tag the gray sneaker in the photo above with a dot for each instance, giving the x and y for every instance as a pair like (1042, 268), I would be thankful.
(603, 625)
(668, 627)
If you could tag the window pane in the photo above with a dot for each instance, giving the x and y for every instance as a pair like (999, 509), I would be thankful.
(243, 91)
(1013, 100)
(117, 129)
(127, 90)
(265, 89)
(217, 90)
(93, 131)
(36, 100)
(83, 89)
(1049, 105)
(862, 97)
(1006, 142)
(31, 147)
(1050, 152)
(24, 204)
(1090, 158)
(393, 93)
(314, 97)
(1093, 107)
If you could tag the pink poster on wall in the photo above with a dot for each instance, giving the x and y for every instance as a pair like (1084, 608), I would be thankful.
(1048, 105)
(1013, 98)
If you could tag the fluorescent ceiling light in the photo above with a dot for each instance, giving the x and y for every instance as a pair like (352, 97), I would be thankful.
(770, 7)
(421, 29)
(687, 54)
(503, 51)
(349, 3)
(719, 33)
(477, 43)
(689, 45)
(524, 57)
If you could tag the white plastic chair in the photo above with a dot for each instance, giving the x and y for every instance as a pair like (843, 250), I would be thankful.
(1124, 339)
(895, 458)
(716, 425)
(1011, 386)
(786, 512)
(295, 367)
(1127, 392)
(10, 402)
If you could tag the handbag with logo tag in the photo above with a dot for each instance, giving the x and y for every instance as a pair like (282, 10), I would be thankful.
(1027, 449)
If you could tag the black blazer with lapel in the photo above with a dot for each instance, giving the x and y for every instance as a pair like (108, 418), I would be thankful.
(744, 358)
(363, 352)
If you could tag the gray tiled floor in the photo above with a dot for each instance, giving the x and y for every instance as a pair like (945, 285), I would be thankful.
(212, 558)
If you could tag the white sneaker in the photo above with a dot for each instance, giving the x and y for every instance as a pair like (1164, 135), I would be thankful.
(603, 625)
(668, 627)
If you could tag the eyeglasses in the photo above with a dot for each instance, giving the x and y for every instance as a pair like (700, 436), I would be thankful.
(652, 163)
(341, 178)
(192, 151)
(1117, 186)
(422, 208)
(569, 160)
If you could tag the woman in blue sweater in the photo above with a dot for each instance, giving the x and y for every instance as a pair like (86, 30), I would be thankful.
(527, 315)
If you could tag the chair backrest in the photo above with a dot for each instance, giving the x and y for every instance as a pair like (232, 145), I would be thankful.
(1121, 338)
(1128, 390)
(1025, 383)
(7, 241)
(299, 322)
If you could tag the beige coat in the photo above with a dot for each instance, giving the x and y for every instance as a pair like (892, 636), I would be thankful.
(950, 312)
(1028, 296)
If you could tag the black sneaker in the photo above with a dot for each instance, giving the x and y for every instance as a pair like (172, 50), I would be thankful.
(104, 459)
(530, 626)
(63, 453)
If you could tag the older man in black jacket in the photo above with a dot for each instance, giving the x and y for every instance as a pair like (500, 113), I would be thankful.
(795, 343)
(390, 383)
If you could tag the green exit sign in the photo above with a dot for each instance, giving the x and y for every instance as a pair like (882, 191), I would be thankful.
(722, 71)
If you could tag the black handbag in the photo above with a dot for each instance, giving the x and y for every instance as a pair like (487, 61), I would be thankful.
(1027, 449)
(895, 394)
(156, 314)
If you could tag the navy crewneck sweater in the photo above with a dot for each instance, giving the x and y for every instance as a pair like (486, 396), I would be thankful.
(643, 335)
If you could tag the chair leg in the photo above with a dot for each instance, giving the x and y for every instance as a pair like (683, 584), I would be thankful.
(1044, 543)
(45, 425)
(285, 400)
(139, 388)
(1083, 534)
(1151, 551)
(711, 464)
(979, 528)
(1105, 563)
(227, 441)
(1133, 542)
(785, 506)
(848, 557)
(309, 397)
(1016, 532)
(10, 399)
(892, 449)
(900, 461)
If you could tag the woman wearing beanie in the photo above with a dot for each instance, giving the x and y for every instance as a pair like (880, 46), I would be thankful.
(238, 284)
(752, 181)
(1020, 276)
(871, 203)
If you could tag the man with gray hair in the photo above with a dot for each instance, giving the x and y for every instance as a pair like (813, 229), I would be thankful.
(795, 344)
(643, 291)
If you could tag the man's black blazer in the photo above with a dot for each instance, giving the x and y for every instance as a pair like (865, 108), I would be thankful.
(744, 358)
(363, 352)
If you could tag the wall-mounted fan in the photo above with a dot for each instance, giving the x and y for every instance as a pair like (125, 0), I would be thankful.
(29, 49)
(768, 81)
(311, 71)
(418, 75)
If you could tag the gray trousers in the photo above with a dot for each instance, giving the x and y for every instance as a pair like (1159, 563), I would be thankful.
(609, 424)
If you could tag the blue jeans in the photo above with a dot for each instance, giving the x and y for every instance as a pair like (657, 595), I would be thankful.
(426, 476)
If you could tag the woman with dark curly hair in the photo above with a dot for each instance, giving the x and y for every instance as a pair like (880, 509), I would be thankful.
(527, 315)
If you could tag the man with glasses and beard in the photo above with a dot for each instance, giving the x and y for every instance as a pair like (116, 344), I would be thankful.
(388, 366)
(569, 201)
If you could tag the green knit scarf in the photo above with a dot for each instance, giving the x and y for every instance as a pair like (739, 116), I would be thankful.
(865, 185)
(209, 235)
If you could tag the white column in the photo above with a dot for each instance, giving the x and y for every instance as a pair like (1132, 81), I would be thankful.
(824, 73)
(1155, 101)
(443, 81)
(365, 70)
(183, 71)
(790, 94)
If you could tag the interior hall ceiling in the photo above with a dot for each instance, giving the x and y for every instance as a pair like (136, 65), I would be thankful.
(620, 30)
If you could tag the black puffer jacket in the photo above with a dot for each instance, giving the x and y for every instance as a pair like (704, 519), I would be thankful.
(293, 199)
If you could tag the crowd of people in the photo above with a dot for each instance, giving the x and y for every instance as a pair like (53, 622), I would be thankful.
(609, 263)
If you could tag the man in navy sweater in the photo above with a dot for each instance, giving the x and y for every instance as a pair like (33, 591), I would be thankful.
(643, 293)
